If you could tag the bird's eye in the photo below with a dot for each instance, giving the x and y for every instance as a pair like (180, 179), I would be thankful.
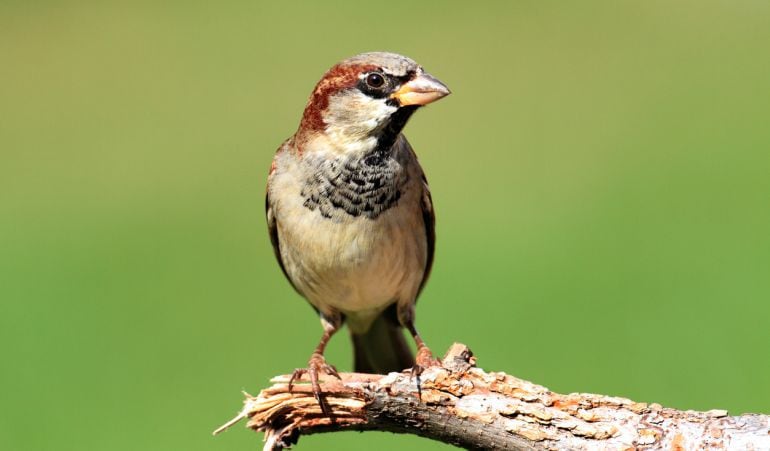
(375, 80)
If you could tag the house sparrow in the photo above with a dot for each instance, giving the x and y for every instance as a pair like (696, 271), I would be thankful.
(349, 212)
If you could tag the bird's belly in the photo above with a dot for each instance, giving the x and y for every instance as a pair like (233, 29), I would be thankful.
(357, 266)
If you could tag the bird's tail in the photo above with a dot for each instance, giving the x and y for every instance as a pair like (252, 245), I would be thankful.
(382, 349)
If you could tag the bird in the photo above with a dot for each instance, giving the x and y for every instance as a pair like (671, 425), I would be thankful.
(350, 214)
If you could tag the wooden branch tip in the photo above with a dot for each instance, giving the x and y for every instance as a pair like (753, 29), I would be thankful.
(461, 404)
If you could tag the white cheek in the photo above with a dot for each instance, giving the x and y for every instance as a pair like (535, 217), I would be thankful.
(380, 111)
(352, 118)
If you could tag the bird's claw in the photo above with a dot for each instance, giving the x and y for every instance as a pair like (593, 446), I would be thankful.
(423, 361)
(317, 364)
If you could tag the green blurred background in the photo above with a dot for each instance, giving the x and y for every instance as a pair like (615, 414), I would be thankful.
(601, 177)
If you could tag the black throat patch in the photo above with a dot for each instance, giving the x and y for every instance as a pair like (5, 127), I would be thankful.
(362, 186)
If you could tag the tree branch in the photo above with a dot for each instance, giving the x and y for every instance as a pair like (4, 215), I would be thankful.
(460, 404)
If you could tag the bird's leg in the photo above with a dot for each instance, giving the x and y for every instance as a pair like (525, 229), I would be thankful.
(317, 363)
(424, 358)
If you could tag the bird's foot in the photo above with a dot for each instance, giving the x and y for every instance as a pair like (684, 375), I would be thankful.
(317, 364)
(423, 360)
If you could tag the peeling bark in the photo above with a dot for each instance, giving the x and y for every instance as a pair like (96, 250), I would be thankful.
(461, 404)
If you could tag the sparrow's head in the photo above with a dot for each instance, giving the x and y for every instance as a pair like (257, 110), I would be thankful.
(364, 101)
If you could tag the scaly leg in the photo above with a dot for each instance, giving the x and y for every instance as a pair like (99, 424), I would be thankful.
(317, 363)
(424, 358)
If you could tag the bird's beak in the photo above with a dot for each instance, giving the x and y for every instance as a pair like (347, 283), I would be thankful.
(420, 90)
